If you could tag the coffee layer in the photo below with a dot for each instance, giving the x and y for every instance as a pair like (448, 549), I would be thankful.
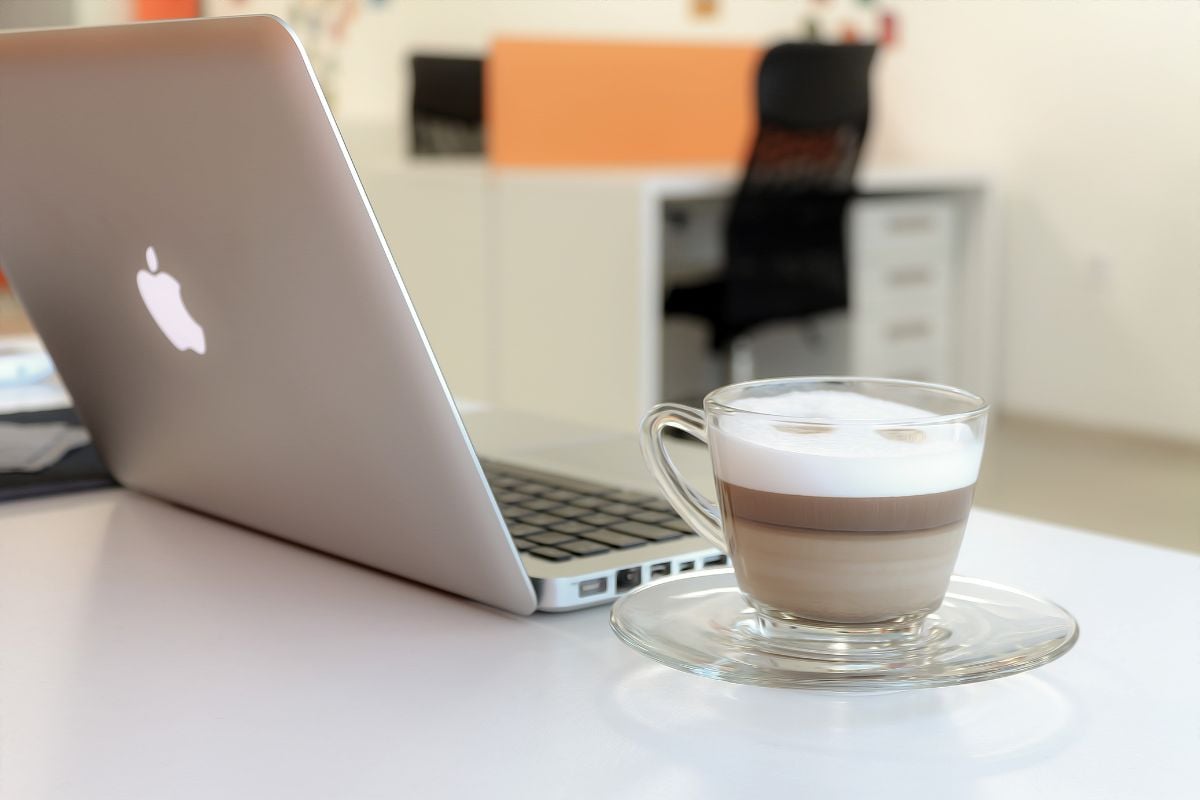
(911, 513)
(840, 577)
(844, 559)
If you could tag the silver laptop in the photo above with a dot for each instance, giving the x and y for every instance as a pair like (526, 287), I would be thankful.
(182, 223)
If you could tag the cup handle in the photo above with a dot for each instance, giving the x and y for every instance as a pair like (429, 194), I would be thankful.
(697, 510)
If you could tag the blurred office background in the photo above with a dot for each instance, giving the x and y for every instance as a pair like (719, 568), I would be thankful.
(1026, 223)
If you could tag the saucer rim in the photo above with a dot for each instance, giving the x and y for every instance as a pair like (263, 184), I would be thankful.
(844, 682)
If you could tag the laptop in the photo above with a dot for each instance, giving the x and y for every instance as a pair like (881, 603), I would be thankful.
(182, 223)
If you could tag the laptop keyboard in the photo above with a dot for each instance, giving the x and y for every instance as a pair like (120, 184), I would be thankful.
(559, 518)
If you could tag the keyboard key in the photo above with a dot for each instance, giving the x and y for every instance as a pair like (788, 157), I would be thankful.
(567, 512)
(524, 544)
(561, 495)
(591, 502)
(577, 486)
(652, 517)
(583, 547)
(599, 520)
(658, 504)
(511, 513)
(513, 497)
(637, 498)
(550, 538)
(521, 529)
(540, 504)
(652, 532)
(572, 527)
(614, 539)
(678, 525)
(551, 553)
(503, 482)
(620, 509)
(531, 488)
(544, 520)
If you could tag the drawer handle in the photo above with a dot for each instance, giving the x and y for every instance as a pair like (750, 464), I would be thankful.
(911, 223)
(913, 329)
(909, 276)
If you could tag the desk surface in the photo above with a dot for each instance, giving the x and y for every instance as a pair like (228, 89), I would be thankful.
(149, 652)
(676, 182)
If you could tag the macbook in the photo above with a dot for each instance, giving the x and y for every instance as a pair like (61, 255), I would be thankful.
(181, 221)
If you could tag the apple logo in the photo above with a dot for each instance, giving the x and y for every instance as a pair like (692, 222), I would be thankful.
(160, 293)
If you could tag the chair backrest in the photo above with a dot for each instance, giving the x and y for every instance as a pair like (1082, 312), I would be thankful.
(784, 239)
(813, 103)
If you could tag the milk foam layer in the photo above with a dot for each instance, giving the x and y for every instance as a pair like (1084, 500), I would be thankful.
(852, 460)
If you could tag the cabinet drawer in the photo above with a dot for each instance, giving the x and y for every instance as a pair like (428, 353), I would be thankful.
(901, 343)
(929, 367)
(904, 222)
(927, 359)
(901, 330)
(885, 281)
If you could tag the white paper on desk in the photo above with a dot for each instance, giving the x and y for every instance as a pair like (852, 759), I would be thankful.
(37, 445)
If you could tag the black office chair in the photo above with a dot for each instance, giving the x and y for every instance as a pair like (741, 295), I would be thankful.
(784, 243)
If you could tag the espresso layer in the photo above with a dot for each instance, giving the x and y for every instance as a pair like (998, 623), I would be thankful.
(858, 514)
(843, 577)
(844, 559)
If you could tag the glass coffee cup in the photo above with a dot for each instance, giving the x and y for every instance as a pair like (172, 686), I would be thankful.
(842, 501)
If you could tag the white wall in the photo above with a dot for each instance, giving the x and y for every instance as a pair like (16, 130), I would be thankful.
(102, 12)
(1088, 113)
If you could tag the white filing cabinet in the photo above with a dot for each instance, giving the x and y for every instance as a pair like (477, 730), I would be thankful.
(902, 266)
(902, 256)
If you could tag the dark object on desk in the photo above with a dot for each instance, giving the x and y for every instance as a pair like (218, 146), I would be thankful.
(785, 243)
(78, 470)
(447, 106)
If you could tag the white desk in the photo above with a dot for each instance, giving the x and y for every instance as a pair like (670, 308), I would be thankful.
(146, 652)
(542, 289)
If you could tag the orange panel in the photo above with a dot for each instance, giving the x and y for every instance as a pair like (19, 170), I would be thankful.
(561, 103)
(166, 9)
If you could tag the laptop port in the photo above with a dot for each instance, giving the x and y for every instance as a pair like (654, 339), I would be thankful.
(716, 561)
(659, 570)
(687, 566)
(628, 578)
(593, 586)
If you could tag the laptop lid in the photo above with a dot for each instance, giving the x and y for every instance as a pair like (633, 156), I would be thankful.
(180, 219)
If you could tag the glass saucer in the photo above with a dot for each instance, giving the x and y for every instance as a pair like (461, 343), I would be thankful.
(701, 623)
